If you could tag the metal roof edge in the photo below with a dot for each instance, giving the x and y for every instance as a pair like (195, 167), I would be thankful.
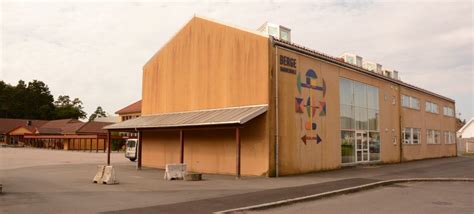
(254, 115)
(263, 108)
(258, 33)
(211, 109)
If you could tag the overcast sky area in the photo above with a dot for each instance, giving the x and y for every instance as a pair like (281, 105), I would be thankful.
(95, 50)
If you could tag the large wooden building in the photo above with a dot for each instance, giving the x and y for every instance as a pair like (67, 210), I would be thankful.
(228, 100)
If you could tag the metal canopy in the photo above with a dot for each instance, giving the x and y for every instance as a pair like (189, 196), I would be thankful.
(208, 117)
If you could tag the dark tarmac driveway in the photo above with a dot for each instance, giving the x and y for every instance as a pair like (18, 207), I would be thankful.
(437, 168)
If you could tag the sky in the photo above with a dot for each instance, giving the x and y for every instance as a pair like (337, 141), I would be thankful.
(95, 50)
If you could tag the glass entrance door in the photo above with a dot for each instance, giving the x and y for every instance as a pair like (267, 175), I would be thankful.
(362, 146)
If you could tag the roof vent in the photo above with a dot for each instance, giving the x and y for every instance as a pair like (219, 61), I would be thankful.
(372, 66)
(369, 65)
(276, 31)
(352, 59)
(28, 123)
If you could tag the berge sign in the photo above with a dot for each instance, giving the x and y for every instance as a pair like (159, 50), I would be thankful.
(287, 64)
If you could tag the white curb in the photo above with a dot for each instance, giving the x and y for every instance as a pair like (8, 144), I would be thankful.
(338, 192)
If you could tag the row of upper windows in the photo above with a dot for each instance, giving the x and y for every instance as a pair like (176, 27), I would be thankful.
(414, 103)
(413, 136)
(128, 117)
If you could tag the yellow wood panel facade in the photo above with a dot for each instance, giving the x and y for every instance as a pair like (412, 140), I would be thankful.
(296, 121)
(210, 65)
(413, 118)
(206, 65)
(297, 157)
(388, 121)
(20, 131)
(84, 144)
(210, 150)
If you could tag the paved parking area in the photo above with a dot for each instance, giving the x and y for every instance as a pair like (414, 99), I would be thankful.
(51, 181)
(419, 198)
(14, 158)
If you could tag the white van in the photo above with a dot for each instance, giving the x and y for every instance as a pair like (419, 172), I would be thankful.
(131, 149)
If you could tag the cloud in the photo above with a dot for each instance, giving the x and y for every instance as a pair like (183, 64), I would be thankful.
(96, 50)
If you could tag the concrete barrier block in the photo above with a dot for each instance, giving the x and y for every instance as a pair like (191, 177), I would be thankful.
(109, 176)
(175, 171)
(193, 176)
(100, 173)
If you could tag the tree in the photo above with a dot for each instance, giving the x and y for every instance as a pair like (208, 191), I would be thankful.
(459, 123)
(99, 112)
(39, 101)
(65, 108)
(6, 96)
(32, 101)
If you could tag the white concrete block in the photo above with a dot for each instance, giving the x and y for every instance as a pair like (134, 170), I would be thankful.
(175, 171)
(99, 174)
(109, 176)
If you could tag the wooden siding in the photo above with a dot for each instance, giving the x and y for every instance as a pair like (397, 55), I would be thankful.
(296, 156)
(207, 65)
(210, 151)
(412, 118)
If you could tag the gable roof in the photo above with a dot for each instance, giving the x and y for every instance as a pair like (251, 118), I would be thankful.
(59, 123)
(93, 127)
(135, 107)
(7, 124)
(12, 131)
(53, 127)
(71, 128)
(61, 126)
(471, 121)
(41, 130)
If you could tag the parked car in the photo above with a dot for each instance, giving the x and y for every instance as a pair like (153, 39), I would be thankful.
(131, 149)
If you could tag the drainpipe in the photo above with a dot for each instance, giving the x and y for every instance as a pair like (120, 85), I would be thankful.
(400, 120)
(277, 137)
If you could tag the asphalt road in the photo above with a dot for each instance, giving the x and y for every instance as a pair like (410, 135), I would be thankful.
(47, 181)
(416, 198)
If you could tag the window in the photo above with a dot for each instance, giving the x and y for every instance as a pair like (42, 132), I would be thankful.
(284, 34)
(410, 102)
(374, 145)
(449, 137)
(448, 111)
(437, 137)
(407, 136)
(350, 59)
(347, 117)
(431, 107)
(433, 136)
(411, 136)
(359, 111)
(416, 136)
(414, 103)
(405, 101)
(361, 122)
(347, 147)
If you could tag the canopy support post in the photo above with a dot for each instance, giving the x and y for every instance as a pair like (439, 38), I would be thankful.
(139, 152)
(181, 140)
(109, 140)
(237, 141)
